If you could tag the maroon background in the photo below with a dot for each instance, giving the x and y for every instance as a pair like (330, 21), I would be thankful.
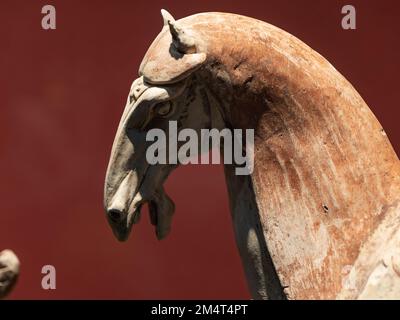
(62, 94)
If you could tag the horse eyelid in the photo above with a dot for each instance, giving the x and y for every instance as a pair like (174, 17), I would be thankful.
(166, 105)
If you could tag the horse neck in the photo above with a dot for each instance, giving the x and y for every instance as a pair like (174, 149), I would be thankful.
(324, 172)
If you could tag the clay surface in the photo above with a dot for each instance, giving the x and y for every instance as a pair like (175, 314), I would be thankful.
(319, 216)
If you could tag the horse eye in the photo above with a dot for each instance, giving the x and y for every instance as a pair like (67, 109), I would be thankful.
(164, 109)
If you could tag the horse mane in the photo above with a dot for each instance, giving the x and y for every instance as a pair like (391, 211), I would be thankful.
(325, 172)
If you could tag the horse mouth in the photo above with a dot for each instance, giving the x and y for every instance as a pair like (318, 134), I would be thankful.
(122, 222)
(161, 210)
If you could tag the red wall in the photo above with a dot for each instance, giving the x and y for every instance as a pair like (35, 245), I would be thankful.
(62, 94)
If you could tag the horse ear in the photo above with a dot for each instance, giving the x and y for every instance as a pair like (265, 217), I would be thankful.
(167, 17)
(166, 62)
(183, 42)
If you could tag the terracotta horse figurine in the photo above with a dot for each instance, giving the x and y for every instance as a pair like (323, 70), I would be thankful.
(9, 270)
(318, 218)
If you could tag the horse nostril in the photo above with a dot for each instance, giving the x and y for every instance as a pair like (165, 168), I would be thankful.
(115, 215)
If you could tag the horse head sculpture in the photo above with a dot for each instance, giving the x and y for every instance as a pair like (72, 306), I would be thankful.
(9, 270)
(325, 185)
